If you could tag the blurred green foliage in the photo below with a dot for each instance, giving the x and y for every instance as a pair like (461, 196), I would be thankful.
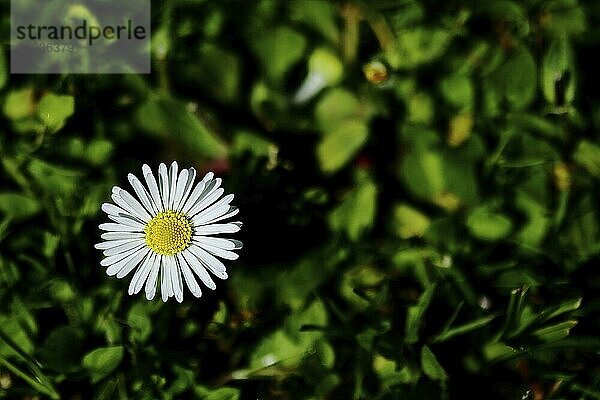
(418, 183)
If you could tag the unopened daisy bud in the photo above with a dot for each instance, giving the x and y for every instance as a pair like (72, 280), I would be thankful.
(376, 72)
(166, 232)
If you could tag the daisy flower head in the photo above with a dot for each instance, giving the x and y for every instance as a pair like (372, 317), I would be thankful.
(168, 234)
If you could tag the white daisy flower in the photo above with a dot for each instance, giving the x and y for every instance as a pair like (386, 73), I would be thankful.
(169, 231)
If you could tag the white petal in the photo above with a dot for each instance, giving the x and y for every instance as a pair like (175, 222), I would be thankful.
(238, 244)
(216, 229)
(122, 235)
(206, 199)
(198, 267)
(111, 209)
(209, 188)
(118, 257)
(188, 188)
(219, 252)
(128, 245)
(191, 200)
(142, 194)
(116, 266)
(163, 185)
(209, 175)
(210, 214)
(152, 186)
(168, 270)
(176, 282)
(172, 183)
(135, 204)
(118, 199)
(181, 182)
(127, 268)
(111, 227)
(209, 261)
(140, 276)
(190, 281)
(129, 221)
(223, 202)
(222, 243)
(152, 278)
(164, 292)
(112, 243)
(232, 211)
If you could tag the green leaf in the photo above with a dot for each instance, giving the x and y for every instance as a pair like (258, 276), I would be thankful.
(62, 349)
(449, 333)
(337, 106)
(217, 72)
(486, 224)
(458, 90)
(278, 49)
(320, 15)
(416, 314)
(19, 104)
(587, 155)
(554, 332)
(558, 73)
(224, 393)
(409, 222)
(324, 63)
(356, 213)
(139, 322)
(18, 206)
(55, 109)
(518, 75)
(3, 70)
(422, 171)
(421, 45)
(168, 119)
(338, 147)
(430, 365)
(508, 11)
(564, 18)
(389, 374)
(102, 361)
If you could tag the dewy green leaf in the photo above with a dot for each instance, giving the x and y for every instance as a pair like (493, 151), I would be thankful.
(102, 361)
(430, 365)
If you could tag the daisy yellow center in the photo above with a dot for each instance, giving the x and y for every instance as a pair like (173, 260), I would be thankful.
(168, 233)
